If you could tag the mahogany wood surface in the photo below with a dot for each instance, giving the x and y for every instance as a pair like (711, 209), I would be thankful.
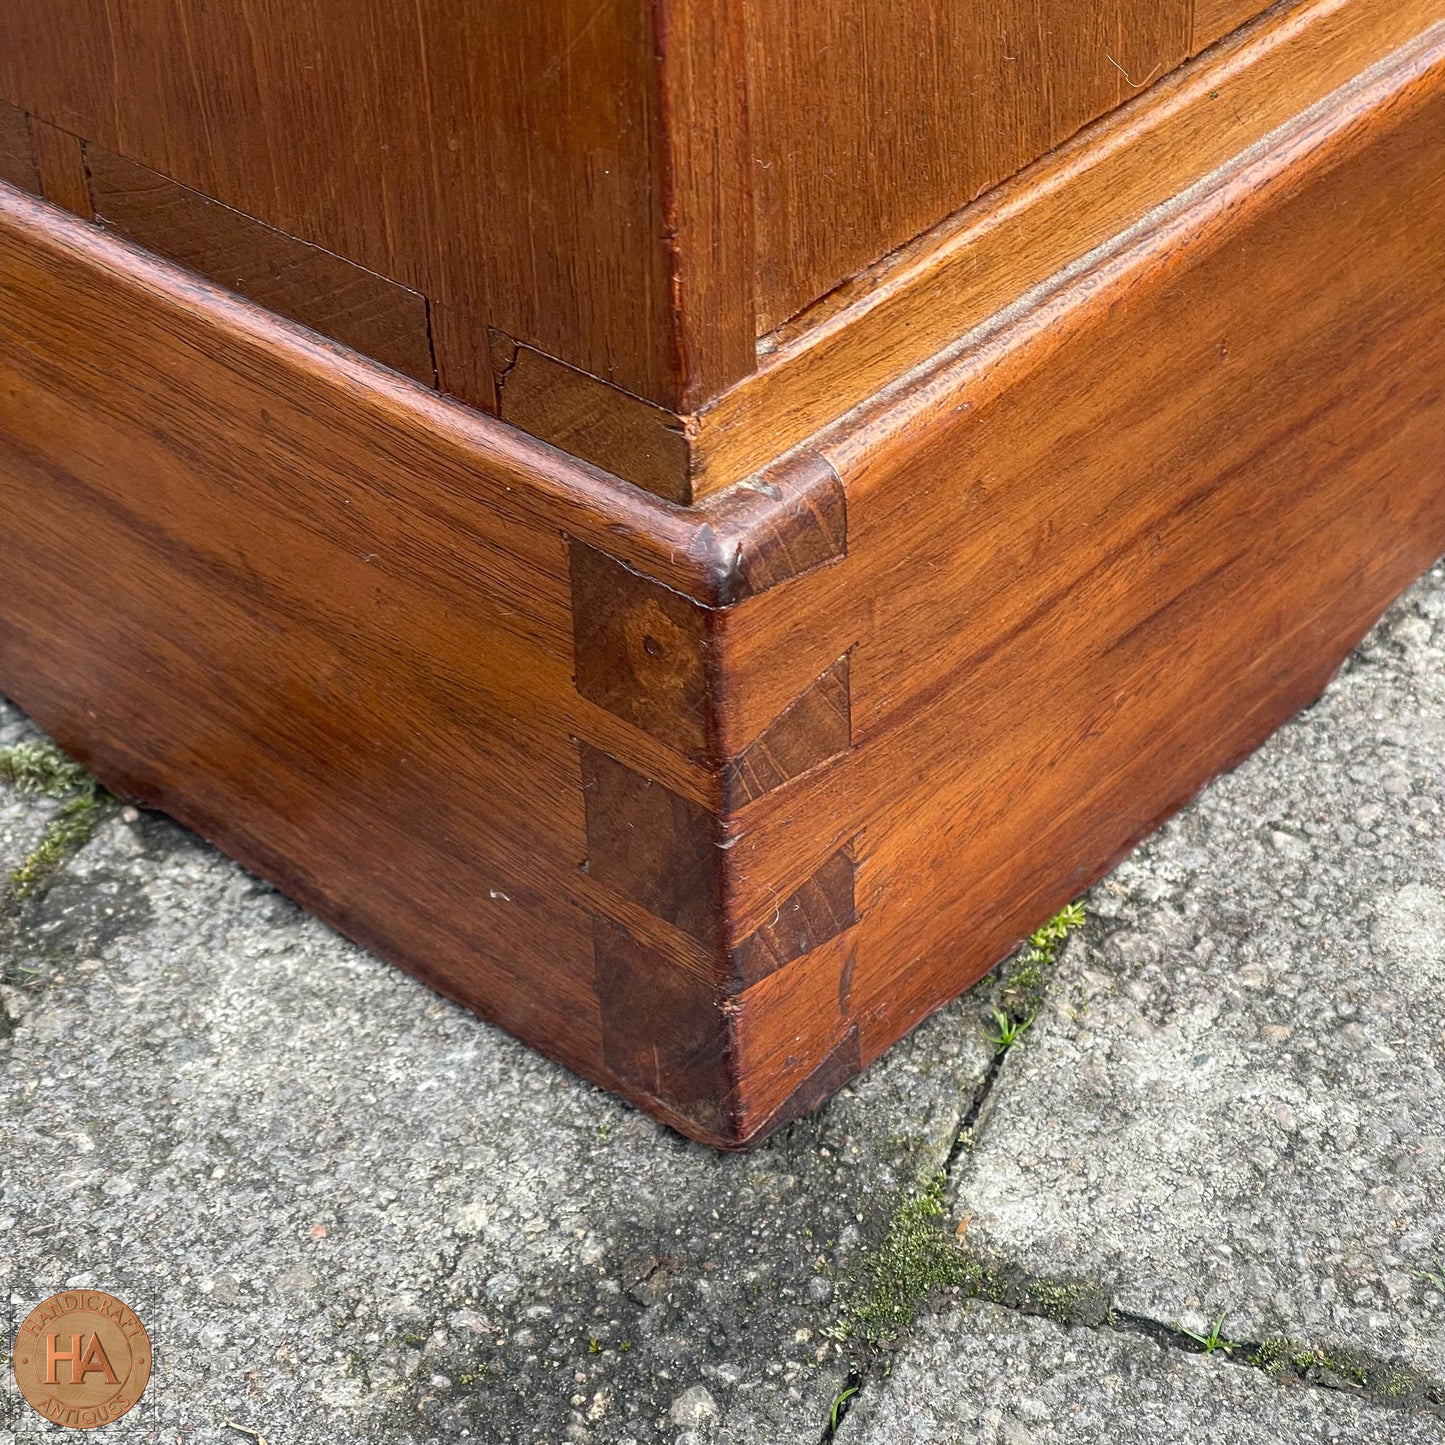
(712, 803)
(1215, 18)
(333, 296)
(929, 294)
(17, 149)
(60, 163)
(635, 189)
(912, 110)
(503, 160)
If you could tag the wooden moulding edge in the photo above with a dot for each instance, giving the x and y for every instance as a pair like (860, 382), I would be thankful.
(907, 313)
(1325, 135)
(790, 518)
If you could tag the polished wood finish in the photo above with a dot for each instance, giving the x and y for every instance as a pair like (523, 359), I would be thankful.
(1214, 19)
(354, 306)
(913, 110)
(633, 191)
(927, 296)
(714, 802)
(502, 160)
(18, 165)
(60, 164)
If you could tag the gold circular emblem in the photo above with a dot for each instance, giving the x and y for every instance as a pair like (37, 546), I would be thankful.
(82, 1359)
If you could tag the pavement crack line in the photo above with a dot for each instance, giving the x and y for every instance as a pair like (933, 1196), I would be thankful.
(917, 1257)
(920, 1258)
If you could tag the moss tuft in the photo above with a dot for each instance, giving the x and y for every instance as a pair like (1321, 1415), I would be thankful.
(35, 767)
(1275, 1354)
(69, 831)
(1070, 1303)
(915, 1258)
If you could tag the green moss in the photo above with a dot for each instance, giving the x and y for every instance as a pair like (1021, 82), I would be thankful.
(42, 768)
(1058, 928)
(1029, 977)
(1343, 1369)
(919, 1256)
(1396, 1383)
(69, 831)
(915, 1258)
(1064, 1303)
(1280, 1355)
(1274, 1354)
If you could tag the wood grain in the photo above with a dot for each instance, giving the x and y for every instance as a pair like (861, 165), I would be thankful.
(635, 188)
(498, 159)
(898, 316)
(333, 296)
(306, 584)
(654, 847)
(816, 911)
(643, 651)
(705, 171)
(812, 732)
(588, 418)
(60, 163)
(1213, 19)
(663, 1031)
(872, 120)
(17, 149)
(1127, 616)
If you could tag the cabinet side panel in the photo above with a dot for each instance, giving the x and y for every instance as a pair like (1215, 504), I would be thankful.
(872, 121)
(248, 588)
(499, 159)
(1099, 561)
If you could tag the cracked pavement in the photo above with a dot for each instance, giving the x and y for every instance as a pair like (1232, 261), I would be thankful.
(346, 1209)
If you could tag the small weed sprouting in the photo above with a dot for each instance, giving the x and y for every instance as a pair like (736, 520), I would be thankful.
(840, 1400)
(1058, 928)
(1009, 1029)
(1025, 983)
(1434, 1277)
(1213, 1341)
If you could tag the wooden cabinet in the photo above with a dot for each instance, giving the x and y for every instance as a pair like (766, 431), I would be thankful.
(637, 190)
(693, 525)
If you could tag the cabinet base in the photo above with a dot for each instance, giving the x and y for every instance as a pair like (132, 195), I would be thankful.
(714, 803)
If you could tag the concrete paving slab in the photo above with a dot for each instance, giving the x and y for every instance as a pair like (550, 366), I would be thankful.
(1234, 1101)
(988, 1376)
(347, 1209)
